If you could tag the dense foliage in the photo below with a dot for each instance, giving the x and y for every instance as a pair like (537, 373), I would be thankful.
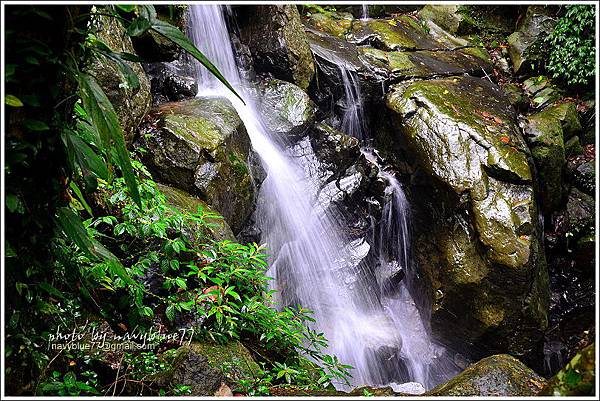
(92, 241)
(572, 45)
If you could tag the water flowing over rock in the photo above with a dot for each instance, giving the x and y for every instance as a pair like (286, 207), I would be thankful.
(482, 255)
(201, 146)
(498, 375)
(131, 104)
(277, 42)
(322, 257)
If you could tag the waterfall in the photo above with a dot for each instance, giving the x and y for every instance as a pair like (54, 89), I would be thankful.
(365, 12)
(383, 338)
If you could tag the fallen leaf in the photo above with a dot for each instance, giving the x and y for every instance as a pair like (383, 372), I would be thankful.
(498, 120)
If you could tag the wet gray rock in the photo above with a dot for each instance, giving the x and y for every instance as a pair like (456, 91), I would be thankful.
(201, 146)
(450, 17)
(498, 375)
(479, 236)
(276, 39)
(130, 104)
(287, 111)
(582, 173)
(170, 82)
(546, 133)
(526, 44)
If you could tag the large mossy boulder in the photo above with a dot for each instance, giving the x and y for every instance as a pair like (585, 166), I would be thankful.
(478, 241)
(451, 17)
(578, 378)
(216, 228)
(401, 33)
(546, 133)
(526, 45)
(206, 367)
(287, 111)
(276, 38)
(497, 375)
(131, 104)
(201, 146)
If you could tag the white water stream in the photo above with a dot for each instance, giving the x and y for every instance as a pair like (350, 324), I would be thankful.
(381, 335)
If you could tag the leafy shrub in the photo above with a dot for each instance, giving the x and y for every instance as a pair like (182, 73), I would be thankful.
(573, 46)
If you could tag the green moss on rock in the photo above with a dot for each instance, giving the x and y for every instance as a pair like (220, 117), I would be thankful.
(201, 146)
(497, 375)
(216, 229)
(487, 273)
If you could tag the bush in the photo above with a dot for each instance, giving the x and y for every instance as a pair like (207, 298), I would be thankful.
(572, 46)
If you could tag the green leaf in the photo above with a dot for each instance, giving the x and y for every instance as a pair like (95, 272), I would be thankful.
(13, 101)
(13, 203)
(126, 7)
(103, 116)
(170, 312)
(80, 197)
(73, 228)
(85, 157)
(138, 26)
(35, 125)
(176, 36)
(51, 290)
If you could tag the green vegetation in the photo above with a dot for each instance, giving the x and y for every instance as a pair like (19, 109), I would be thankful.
(573, 46)
(92, 242)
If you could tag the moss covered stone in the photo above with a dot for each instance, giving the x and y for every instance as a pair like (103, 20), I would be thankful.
(525, 46)
(497, 375)
(450, 17)
(287, 111)
(483, 261)
(131, 104)
(201, 146)
(423, 63)
(458, 126)
(544, 133)
(402, 33)
(216, 229)
(276, 38)
(578, 378)
(205, 367)
(331, 23)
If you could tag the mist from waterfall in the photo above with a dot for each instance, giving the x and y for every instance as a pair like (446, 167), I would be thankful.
(381, 336)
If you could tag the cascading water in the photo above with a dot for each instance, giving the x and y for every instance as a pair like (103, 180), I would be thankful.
(365, 12)
(353, 121)
(382, 337)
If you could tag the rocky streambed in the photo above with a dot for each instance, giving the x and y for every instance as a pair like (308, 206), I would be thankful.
(500, 182)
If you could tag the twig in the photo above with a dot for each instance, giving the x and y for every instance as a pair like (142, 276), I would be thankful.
(118, 371)
(486, 75)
